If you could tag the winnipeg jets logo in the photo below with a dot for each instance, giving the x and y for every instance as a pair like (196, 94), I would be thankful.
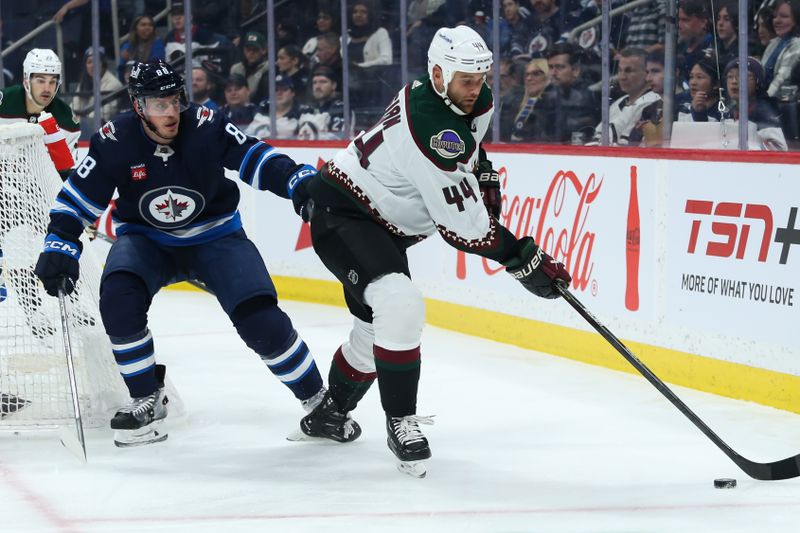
(171, 207)
(107, 131)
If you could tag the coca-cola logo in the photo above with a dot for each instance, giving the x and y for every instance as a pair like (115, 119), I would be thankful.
(558, 222)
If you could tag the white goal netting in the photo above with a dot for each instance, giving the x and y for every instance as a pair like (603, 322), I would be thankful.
(34, 384)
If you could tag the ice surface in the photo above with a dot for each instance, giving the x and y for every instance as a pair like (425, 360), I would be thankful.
(523, 442)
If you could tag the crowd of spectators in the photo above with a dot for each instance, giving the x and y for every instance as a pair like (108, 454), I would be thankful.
(550, 78)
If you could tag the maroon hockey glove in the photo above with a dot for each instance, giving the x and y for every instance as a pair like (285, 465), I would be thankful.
(537, 271)
(489, 183)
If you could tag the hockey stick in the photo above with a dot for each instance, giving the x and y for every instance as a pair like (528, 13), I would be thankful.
(95, 234)
(68, 439)
(783, 469)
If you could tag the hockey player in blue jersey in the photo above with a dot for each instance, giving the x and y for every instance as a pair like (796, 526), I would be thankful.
(177, 219)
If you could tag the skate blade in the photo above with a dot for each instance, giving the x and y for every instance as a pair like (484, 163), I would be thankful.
(139, 437)
(415, 469)
(298, 436)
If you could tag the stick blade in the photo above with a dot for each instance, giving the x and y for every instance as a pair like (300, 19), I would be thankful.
(70, 441)
(784, 469)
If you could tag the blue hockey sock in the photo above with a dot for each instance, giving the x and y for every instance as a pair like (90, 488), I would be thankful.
(268, 331)
(294, 365)
(136, 361)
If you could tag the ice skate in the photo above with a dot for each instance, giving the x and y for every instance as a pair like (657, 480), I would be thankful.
(138, 423)
(326, 421)
(309, 404)
(408, 443)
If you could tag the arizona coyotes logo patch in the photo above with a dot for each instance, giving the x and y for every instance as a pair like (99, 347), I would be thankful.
(204, 114)
(448, 144)
(107, 131)
(138, 172)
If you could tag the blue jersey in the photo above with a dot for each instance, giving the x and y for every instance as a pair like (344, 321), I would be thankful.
(175, 194)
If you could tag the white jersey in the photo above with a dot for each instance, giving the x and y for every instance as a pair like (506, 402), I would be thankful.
(414, 169)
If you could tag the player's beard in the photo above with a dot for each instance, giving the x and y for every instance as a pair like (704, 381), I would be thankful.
(464, 106)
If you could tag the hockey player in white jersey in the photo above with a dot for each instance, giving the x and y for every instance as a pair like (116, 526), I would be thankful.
(419, 171)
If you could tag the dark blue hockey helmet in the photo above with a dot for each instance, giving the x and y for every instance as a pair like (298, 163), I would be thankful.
(155, 79)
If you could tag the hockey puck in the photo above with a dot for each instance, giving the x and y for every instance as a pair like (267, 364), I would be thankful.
(725, 483)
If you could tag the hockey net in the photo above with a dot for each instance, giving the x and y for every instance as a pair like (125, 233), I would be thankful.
(34, 384)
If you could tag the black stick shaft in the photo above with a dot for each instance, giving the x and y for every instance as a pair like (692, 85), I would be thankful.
(783, 469)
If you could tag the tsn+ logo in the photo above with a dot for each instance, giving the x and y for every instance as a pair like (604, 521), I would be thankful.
(733, 221)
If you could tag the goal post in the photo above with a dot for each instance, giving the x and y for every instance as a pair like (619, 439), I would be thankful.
(34, 382)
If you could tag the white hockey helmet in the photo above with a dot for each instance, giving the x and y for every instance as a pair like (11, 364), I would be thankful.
(459, 49)
(40, 61)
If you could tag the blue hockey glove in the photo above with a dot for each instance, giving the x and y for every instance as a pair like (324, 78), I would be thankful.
(58, 264)
(297, 186)
(536, 270)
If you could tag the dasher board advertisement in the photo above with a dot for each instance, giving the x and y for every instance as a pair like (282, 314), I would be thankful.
(733, 254)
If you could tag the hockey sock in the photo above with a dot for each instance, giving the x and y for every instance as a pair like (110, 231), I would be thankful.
(124, 302)
(136, 361)
(347, 385)
(398, 378)
(268, 331)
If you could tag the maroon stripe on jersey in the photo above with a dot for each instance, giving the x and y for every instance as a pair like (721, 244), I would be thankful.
(396, 357)
(348, 371)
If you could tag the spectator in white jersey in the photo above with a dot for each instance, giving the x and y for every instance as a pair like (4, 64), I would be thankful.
(625, 112)
(325, 118)
(288, 111)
